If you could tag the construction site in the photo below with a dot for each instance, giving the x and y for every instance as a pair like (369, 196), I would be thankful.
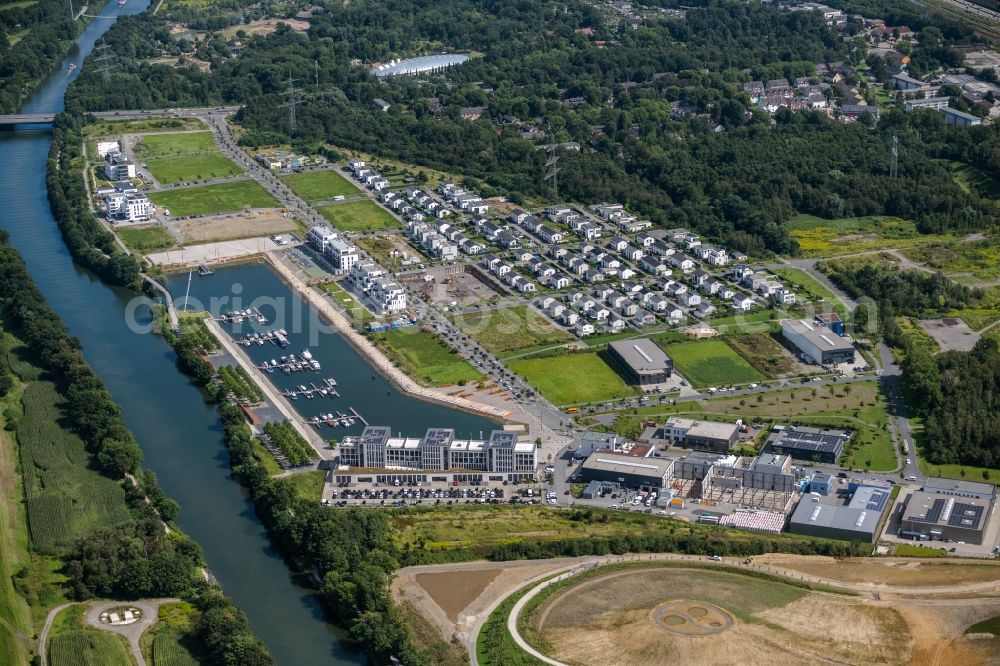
(454, 286)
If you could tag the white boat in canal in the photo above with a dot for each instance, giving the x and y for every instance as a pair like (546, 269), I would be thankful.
(307, 355)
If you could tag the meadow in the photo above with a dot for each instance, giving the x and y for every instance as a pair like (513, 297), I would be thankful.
(818, 237)
(319, 185)
(211, 199)
(145, 239)
(173, 144)
(426, 357)
(711, 363)
(86, 647)
(508, 330)
(66, 497)
(763, 352)
(184, 157)
(168, 642)
(359, 216)
(573, 379)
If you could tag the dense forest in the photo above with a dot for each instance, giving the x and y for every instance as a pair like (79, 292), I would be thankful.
(739, 185)
(137, 557)
(32, 41)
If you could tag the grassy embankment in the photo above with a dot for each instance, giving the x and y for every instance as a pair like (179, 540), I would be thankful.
(424, 356)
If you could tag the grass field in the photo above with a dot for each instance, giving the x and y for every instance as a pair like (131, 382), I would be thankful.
(807, 287)
(83, 647)
(977, 259)
(66, 497)
(572, 379)
(211, 199)
(763, 352)
(910, 550)
(319, 185)
(146, 239)
(168, 145)
(168, 642)
(818, 237)
(423, 355)
(104, 128)
(359, 313)
(359, 216)
(188, 168)
(510, 330)
(306, 485)
(711, 363)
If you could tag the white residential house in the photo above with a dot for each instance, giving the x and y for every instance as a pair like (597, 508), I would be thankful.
(593, 277)
(559, 281)
(743, 302)
(726, 292)
(503, 269)
(470, 247)
(523, 285)
(518, 215)
(661, 248)
(618, 243)
(652, 265)
(599, 313)
(704, 309)
(584, 328)
(673, 313)
(632, 253)
(643, 318)
(616, 300)
(645, 240)
(690, 299)
(700, 277)
(681, 261)
(630, 309)
(556, 310)
(712, 286)
(740, 271)
(715, 256)
(569, 318)
(343, 255)
(550, 235)
(627, 273)
(616, 324)
(784, 296)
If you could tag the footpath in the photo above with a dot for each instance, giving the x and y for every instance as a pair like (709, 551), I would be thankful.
(374, 355)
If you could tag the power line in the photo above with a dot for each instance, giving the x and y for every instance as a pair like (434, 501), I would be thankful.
(294, 98)
(894, 167)
(552, 170)
(104, 60)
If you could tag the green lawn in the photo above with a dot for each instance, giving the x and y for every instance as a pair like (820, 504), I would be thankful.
(512, 329)
(424, 356)
(358, 313)
(763, 352)
(211, 199)
(359, 216)
(177, 143)
(306, 485)
(711, 363)
(145, 239)
(319, 185)
(911, 550)
(809, 288)
(572, 379)
(189, 168)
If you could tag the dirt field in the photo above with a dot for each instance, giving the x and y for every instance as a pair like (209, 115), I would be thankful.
(229, 227)
(901, 571)
(265, 27)
(451, 285)
(453, 591)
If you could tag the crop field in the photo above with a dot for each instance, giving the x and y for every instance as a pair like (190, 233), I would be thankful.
(764, 353)
(573, 379)
(146, 239)
(210, 199)
(168, 642)
(711, 363)
(655, 615)
(169, 650)
(66, 498)
(359, 216)
(319, 185)
(82, 647)
(510, 330)
(425, 356)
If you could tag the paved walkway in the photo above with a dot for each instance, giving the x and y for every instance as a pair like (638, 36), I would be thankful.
(373, 353)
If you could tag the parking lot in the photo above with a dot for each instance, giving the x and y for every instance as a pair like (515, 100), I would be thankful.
(431, 496)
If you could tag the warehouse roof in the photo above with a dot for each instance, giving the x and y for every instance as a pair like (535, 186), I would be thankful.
(820, 336)
(808, 439)
(624, 464)
(642, 355)
(837, 517)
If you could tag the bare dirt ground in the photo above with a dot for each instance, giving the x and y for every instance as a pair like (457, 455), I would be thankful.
(951, 334)
(233, 226)
(937, 628)
(455, 590)
(900, 571)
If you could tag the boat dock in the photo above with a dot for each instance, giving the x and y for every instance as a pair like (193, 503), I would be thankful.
(289, 364)
(205, 270)
(239, 316)
(358, 416)
(277, 336)
(312, 390)
(336, 420)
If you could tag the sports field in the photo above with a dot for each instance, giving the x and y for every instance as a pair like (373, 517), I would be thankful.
(572, 379)
(426, 357)
(211, 199)
(508, 330)
(319, 185)
(359, 216)
(711, 363)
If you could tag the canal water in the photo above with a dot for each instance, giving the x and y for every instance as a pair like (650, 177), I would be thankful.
(180, 435)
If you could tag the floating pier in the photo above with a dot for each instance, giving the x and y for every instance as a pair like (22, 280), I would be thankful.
(276, 337)
(290, 364)
(239, 316)
(205, 270)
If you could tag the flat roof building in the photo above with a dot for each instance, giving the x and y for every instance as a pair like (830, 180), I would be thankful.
(858, 520)
(810, 444)
(642, 360)
(818, 344)
(930, 515)
(696, 434)
(629, 471)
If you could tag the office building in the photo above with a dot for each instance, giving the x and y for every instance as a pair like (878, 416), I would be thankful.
(810, 444)
(629, 471)
(946, 509)
(694, 434)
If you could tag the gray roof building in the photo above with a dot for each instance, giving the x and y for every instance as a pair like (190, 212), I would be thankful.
(643, 361)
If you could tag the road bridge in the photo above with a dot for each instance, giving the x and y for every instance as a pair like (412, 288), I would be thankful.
(12, 119)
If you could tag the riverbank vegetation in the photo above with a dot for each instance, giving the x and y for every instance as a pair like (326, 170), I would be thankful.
(284, 436)
(44, 32)
(92, 513)
(88, 241)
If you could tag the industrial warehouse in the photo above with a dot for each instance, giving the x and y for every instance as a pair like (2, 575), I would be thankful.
(810, 444)
(378, 456)
(817, 343)
(857, 520)
(947, 510)
(643, 362)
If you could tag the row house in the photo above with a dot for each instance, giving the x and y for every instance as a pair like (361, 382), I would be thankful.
(550, 235)
(645, 240)
(714, 256)
(562, 214)
(681, 261)
(507, 239)
(609, 211)
(685, 238)
(433, 241)
(540, 268)
(530, 223)
(652, 265)
(634, 226)
(632, 253)
(660, 248)
(487, 229)
(740, 271)
(518, 215)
